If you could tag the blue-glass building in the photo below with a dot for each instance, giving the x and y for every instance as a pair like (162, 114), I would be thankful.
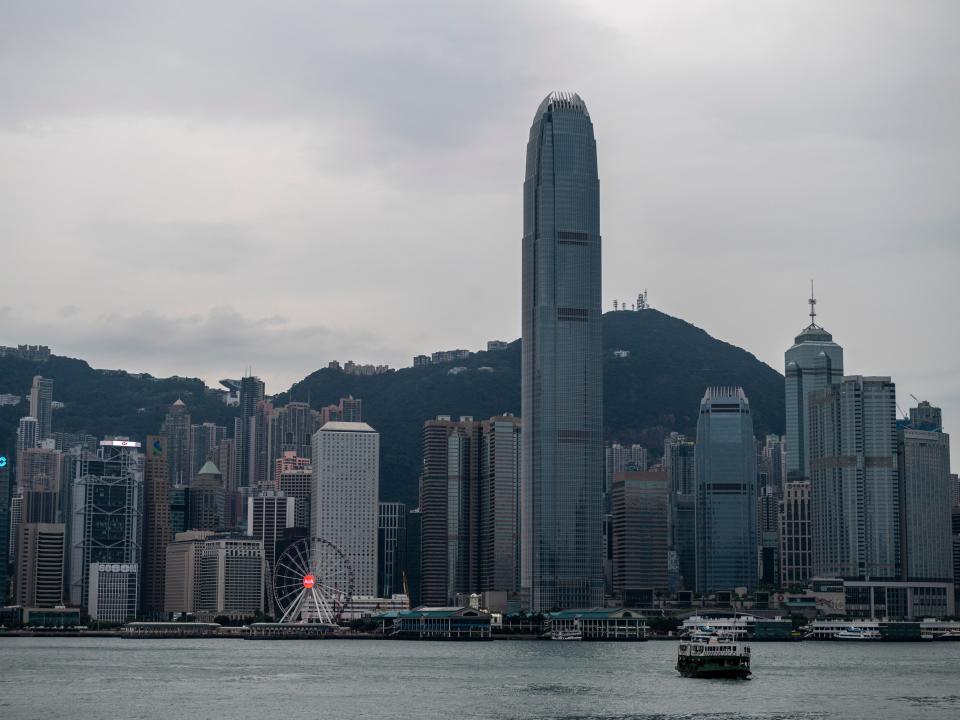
(812, 363)
(562, 450)
(726, 492)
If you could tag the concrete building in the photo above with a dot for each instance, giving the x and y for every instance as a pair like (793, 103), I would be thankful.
(207, 500)
(814, 362)
(157, 527)
(6, 547)
(232, 577)
(772, 464)
(346, 471)
(795, 540)
(269, 514)
(391, 546)
(176, 428)
(923, 454)
(726, 491)
(349, 409)
(204, 439)
(38, 580)
(41, 405)
(113, 592)
(291, 433)
(499, 504)
(259, 460)
(28, 436)
(679, 458)
(562, 383)
(294, 478)
(106, 522)
(182, 572)
(854, 491)
(768, 535)
(641, 532)
(470, 507)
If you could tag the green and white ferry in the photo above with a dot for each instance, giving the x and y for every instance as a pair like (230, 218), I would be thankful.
(709, 654)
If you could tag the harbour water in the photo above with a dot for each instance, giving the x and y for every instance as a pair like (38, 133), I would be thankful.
(96, 678)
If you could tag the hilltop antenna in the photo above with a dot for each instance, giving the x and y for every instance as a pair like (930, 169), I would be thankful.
(614, 304)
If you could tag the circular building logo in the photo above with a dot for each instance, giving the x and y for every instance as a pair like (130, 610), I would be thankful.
(308, 581)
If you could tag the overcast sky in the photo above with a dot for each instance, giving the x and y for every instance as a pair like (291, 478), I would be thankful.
(193, 189)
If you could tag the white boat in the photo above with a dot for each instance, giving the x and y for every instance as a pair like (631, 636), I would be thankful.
(566, 635)
(855, 632)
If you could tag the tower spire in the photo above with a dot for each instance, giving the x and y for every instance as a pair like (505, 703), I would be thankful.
(813, 307)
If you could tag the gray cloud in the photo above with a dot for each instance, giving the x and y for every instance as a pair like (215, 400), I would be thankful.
(344, 179)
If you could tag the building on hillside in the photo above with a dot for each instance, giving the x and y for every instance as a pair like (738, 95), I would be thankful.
(349, 409)
(41, 405)
(204, 439)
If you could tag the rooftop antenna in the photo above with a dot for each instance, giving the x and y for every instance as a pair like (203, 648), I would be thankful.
(813, 307)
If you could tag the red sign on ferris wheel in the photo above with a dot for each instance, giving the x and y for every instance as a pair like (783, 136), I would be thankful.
(308, 581)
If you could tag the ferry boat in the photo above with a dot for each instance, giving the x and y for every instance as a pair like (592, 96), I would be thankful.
(713, 656)
(571, 633)
(855, 632)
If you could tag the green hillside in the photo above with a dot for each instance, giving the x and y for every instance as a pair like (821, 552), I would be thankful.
(655, 389)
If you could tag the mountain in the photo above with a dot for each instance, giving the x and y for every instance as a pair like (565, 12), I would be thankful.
(650, 389)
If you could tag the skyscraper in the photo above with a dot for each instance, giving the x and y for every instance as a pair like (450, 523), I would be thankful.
(6, 488)
(269, 514)
(107, 513)
(41, 405)
(28, 431)
(176, 428)
(499, 500)
(39, 573)
(726, 492)
(854, 495)
(641, 533)
(346, 506)
(561, 393)
(795, 536)
(157, 528)
(207, 500)
(204, 439)
(923, 452)
(291, 430)
(813, 362)
(391, 546)
(251, 393)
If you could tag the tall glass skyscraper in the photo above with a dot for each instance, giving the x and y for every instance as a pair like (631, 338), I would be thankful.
(813, 363)
(562, 447)
(726, 492)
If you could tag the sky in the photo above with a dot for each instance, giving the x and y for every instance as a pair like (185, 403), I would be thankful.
(200, 188)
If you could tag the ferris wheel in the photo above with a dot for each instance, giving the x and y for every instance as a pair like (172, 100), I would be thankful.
(312, 582)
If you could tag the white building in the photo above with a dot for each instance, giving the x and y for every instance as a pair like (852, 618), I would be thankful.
(113, 595)
(346, 469)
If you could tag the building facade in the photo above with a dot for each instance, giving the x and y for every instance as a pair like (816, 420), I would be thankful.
(182, 572)
(106, 522)
(232, 577)
(923, 457)
(812, 363)
(41, 405)
(252, 391)
(726, 492)
(157, 528)
(38, 581)
(854, 493)
(641, 532)
(113, 595)
(562, 383)
(796, 555)
(391, 547)
(346, 471)
(269, 514)
(176, 428)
